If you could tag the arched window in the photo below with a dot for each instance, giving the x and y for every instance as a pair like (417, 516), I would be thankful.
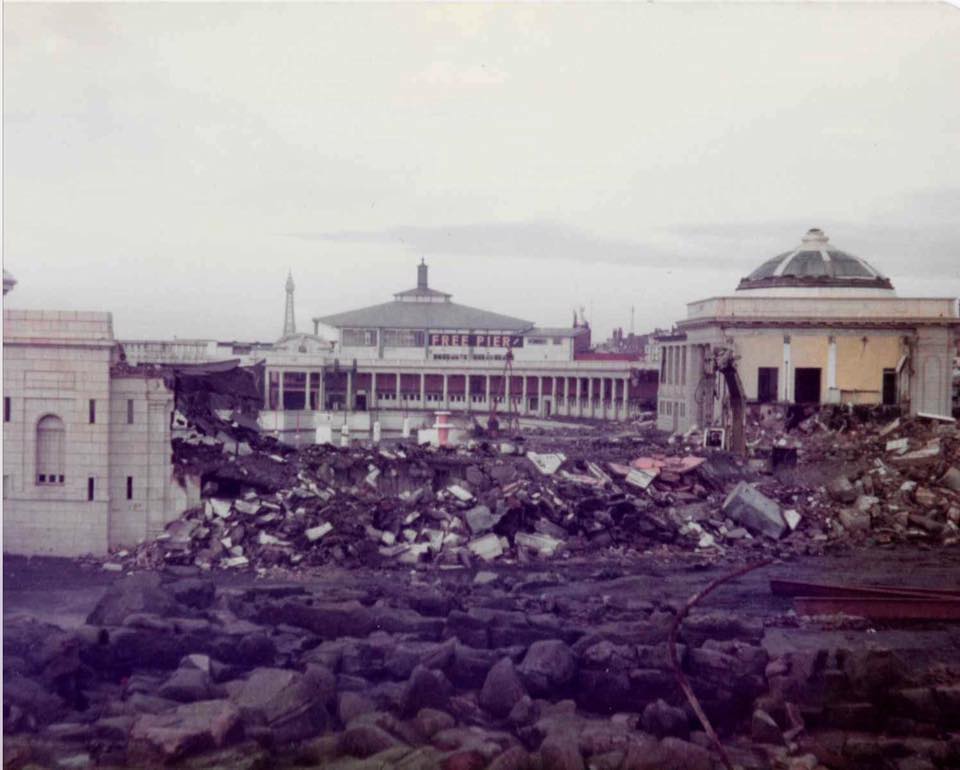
(51, 440)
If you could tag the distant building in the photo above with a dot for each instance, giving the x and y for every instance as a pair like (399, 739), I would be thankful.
(813, 325)
(86, 448)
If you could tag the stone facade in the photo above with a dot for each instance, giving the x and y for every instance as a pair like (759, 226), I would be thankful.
(817, 338)
(67, 446)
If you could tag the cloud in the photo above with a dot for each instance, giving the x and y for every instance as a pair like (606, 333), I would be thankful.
(529, 239)
(445, 74)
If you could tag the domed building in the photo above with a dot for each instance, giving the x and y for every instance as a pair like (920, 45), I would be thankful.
(812, 325)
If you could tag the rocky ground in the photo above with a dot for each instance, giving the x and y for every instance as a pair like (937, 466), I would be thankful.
(504, 666)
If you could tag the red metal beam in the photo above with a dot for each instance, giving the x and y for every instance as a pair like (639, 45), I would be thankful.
(881, 608)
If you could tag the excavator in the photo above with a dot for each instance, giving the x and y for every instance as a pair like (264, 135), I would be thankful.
(723, 361)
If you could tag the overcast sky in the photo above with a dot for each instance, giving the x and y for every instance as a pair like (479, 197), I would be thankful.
(170, 162)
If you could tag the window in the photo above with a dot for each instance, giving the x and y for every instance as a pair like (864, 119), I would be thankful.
(558, 340)
(536, 341)
(51, 438)
(404, 338)
(91, 488)
(129, 487)
(294, 390)
(129, 411)
(6, 408)
(353, 338)
(767, 384)
(93, 410)
(314, 390)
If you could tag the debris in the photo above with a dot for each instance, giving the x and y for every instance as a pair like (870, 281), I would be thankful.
(757, 512)
(487, 547)
(315, 533)
(547, 464)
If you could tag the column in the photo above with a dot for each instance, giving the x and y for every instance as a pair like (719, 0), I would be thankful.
(506, 392)
(423, 390)
(540, 407)
(349, 390)
(397, 383)
(322, 394)
(626, 399)
(372, 397)
(523, 396)
(487, 378)
(280, 395)
(579, 394)
(590, 405)
(786, 392)
(467, 395)
(446, 392)
(833, 394)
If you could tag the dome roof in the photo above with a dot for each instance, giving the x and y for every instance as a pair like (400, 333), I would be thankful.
(815, 263)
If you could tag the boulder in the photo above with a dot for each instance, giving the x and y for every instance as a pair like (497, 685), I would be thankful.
(185, 730)
(561, 752)
(548, 666)
(139, 592)
(425, 688)
(291, 705)
(501, 689)
(662, 720)
(193, 592)
(186, 685)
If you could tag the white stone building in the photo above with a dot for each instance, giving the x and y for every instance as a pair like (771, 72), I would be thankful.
(86, 448)
(813, 325)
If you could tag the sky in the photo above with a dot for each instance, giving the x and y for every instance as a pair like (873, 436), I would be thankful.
(170, 162)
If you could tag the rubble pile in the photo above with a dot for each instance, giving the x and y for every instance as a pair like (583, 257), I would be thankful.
(412, 505)
(904, 486)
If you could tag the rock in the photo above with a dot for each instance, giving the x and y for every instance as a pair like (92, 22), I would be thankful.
(186, 685)
(661, 719)
(350, 705)
(188, 729)
(425, 688)
(501, 689)
(841, 490)
(548, 666)
(480, 519)
(755, 511)
(429, 722)
(194, 592)
(671, 753)
(139, 592)
(853, 520)
(486, 547)
(515, 758)
(764, 728)
(951, 479)
(561, 752)
(365, 740)
(291, 705)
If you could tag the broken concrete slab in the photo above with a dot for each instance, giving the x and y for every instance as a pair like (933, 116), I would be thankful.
(755, 511)
(487, 547)
(547, 464)
(480, 519)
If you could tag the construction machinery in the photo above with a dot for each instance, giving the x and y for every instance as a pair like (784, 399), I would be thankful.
(511, 419)
(723, 360)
